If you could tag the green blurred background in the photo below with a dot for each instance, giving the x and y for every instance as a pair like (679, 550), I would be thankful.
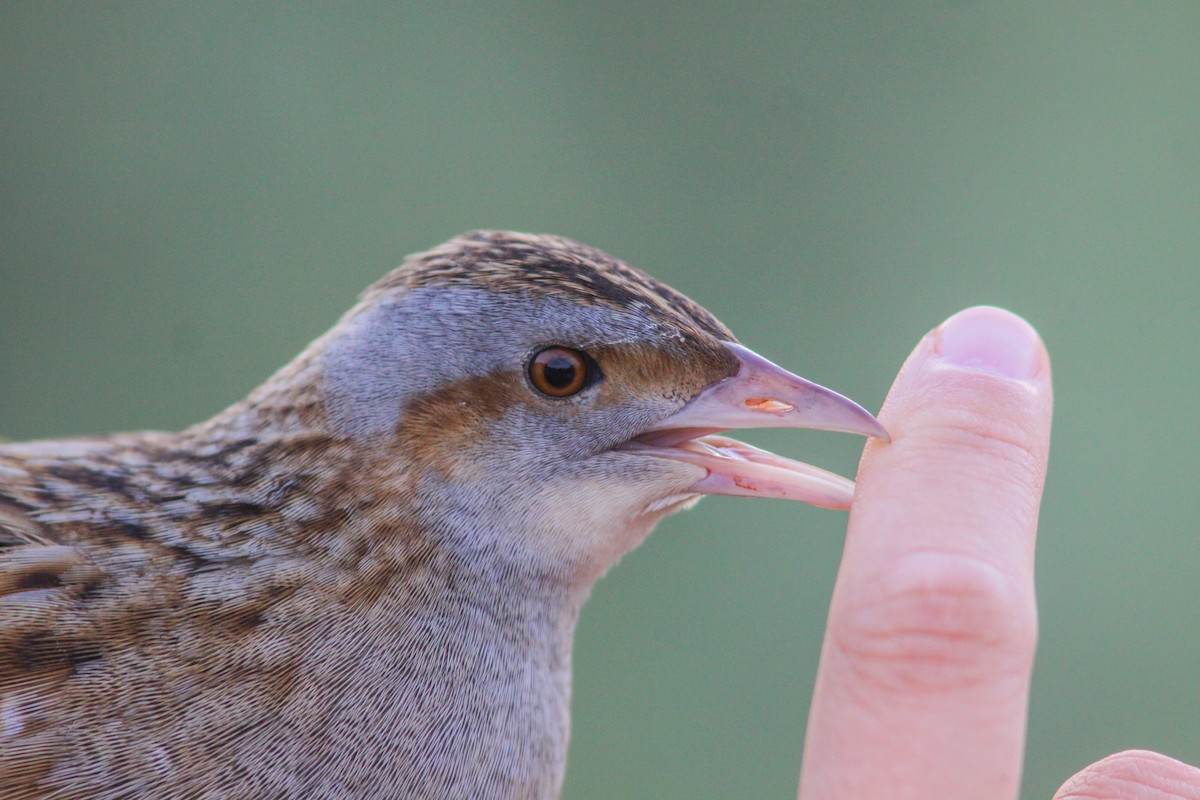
(191, 192)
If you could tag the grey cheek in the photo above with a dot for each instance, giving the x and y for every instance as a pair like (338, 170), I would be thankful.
(372, 365)
(379, 357)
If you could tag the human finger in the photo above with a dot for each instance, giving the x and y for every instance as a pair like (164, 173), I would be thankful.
(1133, 775)
(924, 678)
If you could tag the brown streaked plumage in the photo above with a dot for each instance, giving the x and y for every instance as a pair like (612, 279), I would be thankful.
(362, 581)
(555, 266)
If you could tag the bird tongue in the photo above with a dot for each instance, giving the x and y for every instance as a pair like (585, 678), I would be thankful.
(759, 395)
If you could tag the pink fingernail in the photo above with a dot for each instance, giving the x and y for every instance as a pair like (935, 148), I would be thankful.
(990, 339)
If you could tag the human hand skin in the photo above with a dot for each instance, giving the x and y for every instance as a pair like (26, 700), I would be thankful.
(923, 685)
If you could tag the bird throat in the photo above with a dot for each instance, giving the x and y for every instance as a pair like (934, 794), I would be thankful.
(458, 683)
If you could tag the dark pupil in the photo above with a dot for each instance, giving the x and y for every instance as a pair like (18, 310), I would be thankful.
(559, 372)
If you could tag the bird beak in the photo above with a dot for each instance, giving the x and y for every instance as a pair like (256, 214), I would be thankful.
(759, 395)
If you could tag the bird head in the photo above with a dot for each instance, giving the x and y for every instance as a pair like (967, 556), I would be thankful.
(550, 404)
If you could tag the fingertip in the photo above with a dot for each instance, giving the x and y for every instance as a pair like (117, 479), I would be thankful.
(992, 340)
(983, 368)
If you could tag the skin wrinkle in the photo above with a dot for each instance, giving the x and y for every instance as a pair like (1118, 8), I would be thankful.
(957, 405)
(934, 622)
(977, 488)
(1133, 773)
(945, 416)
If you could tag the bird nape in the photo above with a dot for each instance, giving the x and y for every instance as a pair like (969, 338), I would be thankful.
(363, 579)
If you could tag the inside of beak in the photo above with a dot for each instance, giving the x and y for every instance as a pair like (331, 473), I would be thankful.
(759, 395)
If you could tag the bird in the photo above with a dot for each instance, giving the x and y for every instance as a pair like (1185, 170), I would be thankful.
(363, 580)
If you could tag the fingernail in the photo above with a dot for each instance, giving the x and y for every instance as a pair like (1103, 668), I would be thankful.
(990, 339)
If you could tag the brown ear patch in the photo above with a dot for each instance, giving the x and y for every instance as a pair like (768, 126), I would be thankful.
(440, 429)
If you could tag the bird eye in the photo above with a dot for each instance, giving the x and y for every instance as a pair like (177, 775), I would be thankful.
(558, 371)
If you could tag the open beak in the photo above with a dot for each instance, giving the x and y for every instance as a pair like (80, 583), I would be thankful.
(759, 395)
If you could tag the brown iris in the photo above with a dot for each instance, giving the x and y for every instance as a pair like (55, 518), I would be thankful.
(559, 371)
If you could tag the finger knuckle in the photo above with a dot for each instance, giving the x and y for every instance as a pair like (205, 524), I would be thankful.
(938, 621)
